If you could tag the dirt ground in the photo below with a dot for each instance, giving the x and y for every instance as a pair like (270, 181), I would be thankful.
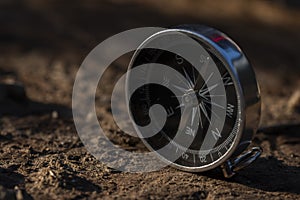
(42, 46)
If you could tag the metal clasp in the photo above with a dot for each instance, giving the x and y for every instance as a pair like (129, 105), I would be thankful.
(230, 167)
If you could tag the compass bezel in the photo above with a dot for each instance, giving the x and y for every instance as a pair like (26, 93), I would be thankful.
(204, 35)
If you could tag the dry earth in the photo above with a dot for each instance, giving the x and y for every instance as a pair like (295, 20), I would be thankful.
(42, 46)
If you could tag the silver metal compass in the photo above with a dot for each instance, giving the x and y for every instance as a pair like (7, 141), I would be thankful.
(212, 105)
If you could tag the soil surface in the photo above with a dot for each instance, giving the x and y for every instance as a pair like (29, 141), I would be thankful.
(42, 46)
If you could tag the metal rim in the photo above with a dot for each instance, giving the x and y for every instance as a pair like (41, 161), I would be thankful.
(232, 68)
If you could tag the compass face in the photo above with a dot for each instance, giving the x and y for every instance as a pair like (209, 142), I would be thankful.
(202, 105)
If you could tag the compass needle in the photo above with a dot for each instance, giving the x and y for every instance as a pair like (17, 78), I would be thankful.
(204, 112)
(190, 82)
(193, 115)
(180, 88)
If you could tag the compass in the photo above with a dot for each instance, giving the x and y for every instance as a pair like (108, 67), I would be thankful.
(208, 95)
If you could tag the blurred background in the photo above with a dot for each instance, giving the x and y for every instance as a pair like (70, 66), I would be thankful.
(42, 44)
(36, 36)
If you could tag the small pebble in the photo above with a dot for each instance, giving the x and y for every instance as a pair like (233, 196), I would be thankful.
(51, 173)
(54, 114)
(19, 194)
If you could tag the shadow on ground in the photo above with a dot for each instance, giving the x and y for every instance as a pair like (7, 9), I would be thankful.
(8, 180)
(270, 173)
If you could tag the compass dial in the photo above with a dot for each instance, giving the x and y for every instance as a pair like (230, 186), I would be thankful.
(195, 111)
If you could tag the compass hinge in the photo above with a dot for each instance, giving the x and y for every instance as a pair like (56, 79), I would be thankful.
(230, 167)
